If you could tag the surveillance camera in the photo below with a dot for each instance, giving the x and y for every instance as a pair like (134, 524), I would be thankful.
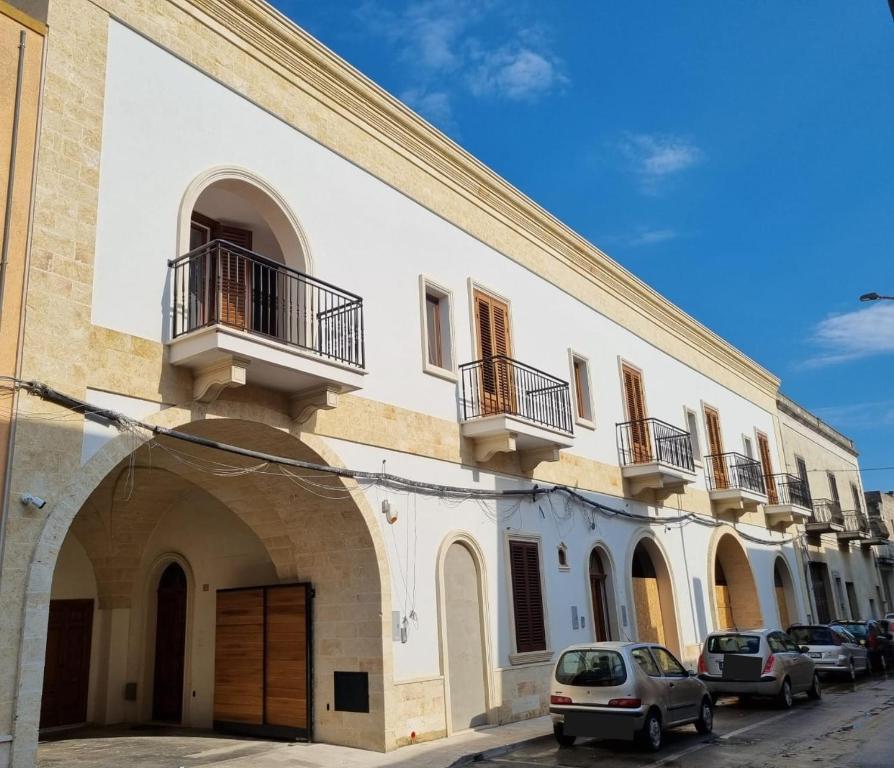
(34, 501)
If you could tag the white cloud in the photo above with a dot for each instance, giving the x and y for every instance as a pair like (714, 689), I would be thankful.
(654, 157)
(652, 236)
(516, 73)
(433, 105)
(854, 335)
(879, 413)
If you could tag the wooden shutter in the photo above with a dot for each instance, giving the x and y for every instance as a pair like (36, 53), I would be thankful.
(635, 400)
(234, 283)
(527, 600)
(492, 323)
(763, 446)
(802, 473)
(715, 442)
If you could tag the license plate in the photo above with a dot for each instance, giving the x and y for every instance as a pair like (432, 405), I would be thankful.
(815, 655)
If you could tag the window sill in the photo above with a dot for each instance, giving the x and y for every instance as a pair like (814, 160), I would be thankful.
(586, 423)
(440, 373)
(531, 657)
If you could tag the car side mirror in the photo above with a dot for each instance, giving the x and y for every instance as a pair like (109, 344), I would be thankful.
(804, 649)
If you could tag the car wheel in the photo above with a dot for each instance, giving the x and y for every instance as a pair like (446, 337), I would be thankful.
(650, 736)
(559, 733)
(784, 697)
(705, 722)
(815, 691)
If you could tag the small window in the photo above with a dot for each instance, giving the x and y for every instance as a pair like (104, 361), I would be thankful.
(668, 664)
(692, 426)
(591, 668)
(855, 492)
(580, 377)
(733, 643)
(437, 333)
(645, 661)
(748, 446)
(527, 596)
(777, 643)
(563, 557)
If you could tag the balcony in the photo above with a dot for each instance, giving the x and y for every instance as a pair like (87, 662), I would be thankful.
(735, 482)
(239, 318)
(854, 527)
(826, 517)
(878, 533)
(885, 556)
(788, 500)
(510, 407)
(656, 457)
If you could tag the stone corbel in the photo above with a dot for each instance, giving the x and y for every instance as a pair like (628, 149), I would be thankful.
(305, 404)
(486, 447)
(531, 458)
(210, 381)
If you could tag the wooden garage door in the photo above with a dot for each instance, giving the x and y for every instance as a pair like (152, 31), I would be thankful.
(262, 661)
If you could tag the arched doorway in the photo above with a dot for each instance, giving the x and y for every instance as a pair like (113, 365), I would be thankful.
(736, 604)
(600, 595)
(653, 596)
(785, 593)
(170, 645)
(466, 671)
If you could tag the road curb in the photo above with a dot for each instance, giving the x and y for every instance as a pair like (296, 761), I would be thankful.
(487, 754)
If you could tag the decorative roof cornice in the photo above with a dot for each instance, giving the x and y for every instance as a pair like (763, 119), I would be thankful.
(274, 40)
(805, 417)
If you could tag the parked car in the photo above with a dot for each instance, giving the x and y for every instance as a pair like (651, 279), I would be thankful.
(625, 691)
(832, 649)
(758, 662)
(870, 635)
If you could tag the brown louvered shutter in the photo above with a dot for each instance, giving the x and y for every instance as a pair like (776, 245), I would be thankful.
(636, 414)
(527, 599)
(493, 341)
(763, 446)
(715, 441)
(234, 276)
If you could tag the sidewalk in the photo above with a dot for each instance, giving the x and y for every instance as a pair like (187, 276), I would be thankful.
(162, 748)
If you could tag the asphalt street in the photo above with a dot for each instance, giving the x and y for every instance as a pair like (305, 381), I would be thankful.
(853, 725)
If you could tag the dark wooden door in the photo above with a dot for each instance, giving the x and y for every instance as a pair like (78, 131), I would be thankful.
(601, 627)
(170, 645)
(67, 667)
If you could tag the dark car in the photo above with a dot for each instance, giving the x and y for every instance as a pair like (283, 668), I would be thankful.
(871, 636)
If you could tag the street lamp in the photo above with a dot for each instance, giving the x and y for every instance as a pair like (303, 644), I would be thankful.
(875, 297)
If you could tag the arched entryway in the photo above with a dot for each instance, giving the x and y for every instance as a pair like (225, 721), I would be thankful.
(785, 593)
(170, 645)
(464, 636)
(653, 596)
(736, 604)
(602, 595)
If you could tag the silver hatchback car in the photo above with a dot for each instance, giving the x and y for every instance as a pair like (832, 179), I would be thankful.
(832, 648)
(758, 662)
(625, 691)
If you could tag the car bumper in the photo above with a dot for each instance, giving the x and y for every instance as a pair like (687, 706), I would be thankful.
(766, 686)
(831, 665)
(599, 722)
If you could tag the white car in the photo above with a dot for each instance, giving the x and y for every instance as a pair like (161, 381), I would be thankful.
(832, 648)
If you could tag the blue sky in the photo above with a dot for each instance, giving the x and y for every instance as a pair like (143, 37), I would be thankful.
(737, 156)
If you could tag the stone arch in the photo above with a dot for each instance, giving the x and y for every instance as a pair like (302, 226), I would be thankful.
(652, 593)
(784, 587)
(263, 197)
(734, 597)
(352, 510)
(469, 543)
(602, 596)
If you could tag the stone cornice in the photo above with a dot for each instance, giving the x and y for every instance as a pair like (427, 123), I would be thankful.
(275, 41)
(805, 417)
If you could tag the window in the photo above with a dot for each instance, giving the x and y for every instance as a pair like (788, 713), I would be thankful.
(734, 643)
(670, 667)
(642, 657)
(527, 597)
(694, 441)
(748, 446)
(563, 557)
(437, 330)
(802, 473)
(580, 377)
(855, 492)
(591, 668)
(833, 487)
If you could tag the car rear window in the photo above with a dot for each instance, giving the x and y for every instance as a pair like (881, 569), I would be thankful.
(857, 630)
(733, 643)
(812, 635)
(591, 667)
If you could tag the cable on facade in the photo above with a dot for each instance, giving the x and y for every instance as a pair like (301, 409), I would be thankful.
(393, 482)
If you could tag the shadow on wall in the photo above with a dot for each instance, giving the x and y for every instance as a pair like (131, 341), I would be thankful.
(698, 591)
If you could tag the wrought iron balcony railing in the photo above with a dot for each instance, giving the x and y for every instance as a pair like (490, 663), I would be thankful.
(500, 385)
(222, 283)
(826, 511)
(726, 471)
(651, 440)
(783, 488)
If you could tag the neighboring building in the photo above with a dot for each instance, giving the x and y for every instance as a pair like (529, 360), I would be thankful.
(238, 236)
(880, 506)
(839, 565)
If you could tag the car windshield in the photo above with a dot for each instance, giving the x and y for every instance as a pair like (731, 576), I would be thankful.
(812, 635)
(591, 667)
(734, 643)
(857, 630)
